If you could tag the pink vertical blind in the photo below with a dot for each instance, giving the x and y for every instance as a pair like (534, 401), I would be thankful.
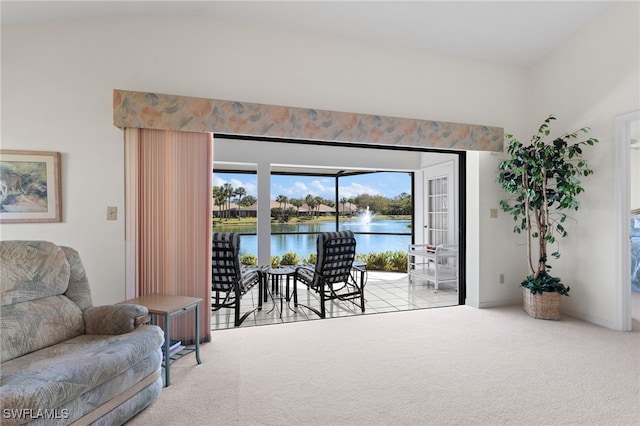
(171, 223)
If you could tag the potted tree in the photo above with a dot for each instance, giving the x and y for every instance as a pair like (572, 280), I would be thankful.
(543, 180)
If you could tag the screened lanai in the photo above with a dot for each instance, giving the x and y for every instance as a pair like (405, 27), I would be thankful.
(261, 162)
(169, 138)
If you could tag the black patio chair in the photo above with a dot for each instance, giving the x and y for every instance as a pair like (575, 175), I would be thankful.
(331, 277)
(230, 280)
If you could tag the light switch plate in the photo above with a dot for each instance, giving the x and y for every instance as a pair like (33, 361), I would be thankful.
(493, 213)
(112, 213)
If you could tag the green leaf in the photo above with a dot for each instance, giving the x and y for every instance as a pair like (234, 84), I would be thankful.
(542, 178)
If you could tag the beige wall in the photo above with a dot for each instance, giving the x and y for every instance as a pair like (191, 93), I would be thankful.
(588, 81)
(635, 179)
(58, 77)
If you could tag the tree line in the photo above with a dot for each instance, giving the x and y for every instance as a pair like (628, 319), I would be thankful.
(226, 194)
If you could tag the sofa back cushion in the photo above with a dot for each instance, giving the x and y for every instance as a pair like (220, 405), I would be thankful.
(34, 312)
(31, 270)
(78, 290)
(36, 324)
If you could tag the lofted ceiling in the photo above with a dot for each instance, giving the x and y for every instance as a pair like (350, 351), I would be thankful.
(514, 33)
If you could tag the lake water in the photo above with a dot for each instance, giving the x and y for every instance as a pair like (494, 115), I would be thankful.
(305, 244)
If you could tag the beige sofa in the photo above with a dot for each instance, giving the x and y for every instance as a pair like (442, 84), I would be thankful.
(63, 360)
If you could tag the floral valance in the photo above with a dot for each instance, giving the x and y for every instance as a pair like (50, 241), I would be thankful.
(171, 112)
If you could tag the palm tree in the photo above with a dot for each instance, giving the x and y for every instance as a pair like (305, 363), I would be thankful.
(297, 203)
(240, 192)
(343, 201)
(218, 198)
(310, 201)
(282, 199)
(227, 189)
(318, 201)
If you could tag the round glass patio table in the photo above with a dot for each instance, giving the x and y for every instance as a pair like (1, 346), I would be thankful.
(278, 277)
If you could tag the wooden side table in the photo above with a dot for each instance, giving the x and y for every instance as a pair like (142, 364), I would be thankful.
(170, 307)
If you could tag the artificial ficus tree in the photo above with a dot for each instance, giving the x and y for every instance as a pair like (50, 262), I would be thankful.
(543, 180)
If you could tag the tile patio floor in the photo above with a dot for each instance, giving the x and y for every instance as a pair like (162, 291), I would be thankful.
(384, 292)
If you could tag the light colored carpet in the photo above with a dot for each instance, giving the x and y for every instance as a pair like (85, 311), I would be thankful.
(445, 366)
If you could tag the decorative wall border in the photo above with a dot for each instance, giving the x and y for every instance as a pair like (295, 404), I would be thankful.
(172, 112)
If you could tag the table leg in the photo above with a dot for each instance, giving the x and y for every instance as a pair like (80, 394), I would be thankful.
(265, 291)
(197, 342)
(280, 293)
(287, 292)
(167, 358)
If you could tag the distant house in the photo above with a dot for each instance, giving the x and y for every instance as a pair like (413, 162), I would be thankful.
(235, 210)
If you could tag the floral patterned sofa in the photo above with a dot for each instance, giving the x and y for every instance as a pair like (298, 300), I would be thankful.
(63, 360)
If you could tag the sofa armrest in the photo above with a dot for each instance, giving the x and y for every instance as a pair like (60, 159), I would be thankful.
(115, 319)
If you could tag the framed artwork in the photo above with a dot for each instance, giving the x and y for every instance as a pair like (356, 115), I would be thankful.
(30, 187)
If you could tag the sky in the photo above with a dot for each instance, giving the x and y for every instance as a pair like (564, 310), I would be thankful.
(387, 184)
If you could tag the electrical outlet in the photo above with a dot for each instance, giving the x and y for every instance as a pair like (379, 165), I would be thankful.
(112, 213)
(501, 278)
(493, 213)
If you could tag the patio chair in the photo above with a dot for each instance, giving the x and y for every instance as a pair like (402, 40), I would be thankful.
(230, 280)
(331, 277)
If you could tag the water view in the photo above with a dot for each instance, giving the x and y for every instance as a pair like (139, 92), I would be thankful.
(305, 244)
(374, 205)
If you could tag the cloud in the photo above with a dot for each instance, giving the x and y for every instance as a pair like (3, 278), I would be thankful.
(217, 181)
(319, 187)
(277, 189)
(249, 185)
(251, 188)
(354, 189)
(301, 187)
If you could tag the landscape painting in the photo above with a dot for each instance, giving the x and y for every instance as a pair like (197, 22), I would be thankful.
(29, 186)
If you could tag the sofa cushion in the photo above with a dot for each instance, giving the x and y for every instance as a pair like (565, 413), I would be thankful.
(36, 324)
(31, 270)
(111, 389)
(58, 374)
(78, 290)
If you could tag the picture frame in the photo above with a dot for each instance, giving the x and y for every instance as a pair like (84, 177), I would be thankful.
(30, 187)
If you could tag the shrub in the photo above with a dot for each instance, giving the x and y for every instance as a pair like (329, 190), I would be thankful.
(289, 258)
(392, 261)
(395, 261)
(311, 260)
(248, 259)
(376, 261)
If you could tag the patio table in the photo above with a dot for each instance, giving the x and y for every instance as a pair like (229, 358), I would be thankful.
(278, 277)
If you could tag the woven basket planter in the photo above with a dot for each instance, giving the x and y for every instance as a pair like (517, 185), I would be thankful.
(542, 306)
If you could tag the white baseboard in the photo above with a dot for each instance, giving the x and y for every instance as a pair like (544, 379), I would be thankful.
(574, 314)
(498, 303)
(589, 318)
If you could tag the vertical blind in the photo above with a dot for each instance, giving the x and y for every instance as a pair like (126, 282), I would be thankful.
(168, 241)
